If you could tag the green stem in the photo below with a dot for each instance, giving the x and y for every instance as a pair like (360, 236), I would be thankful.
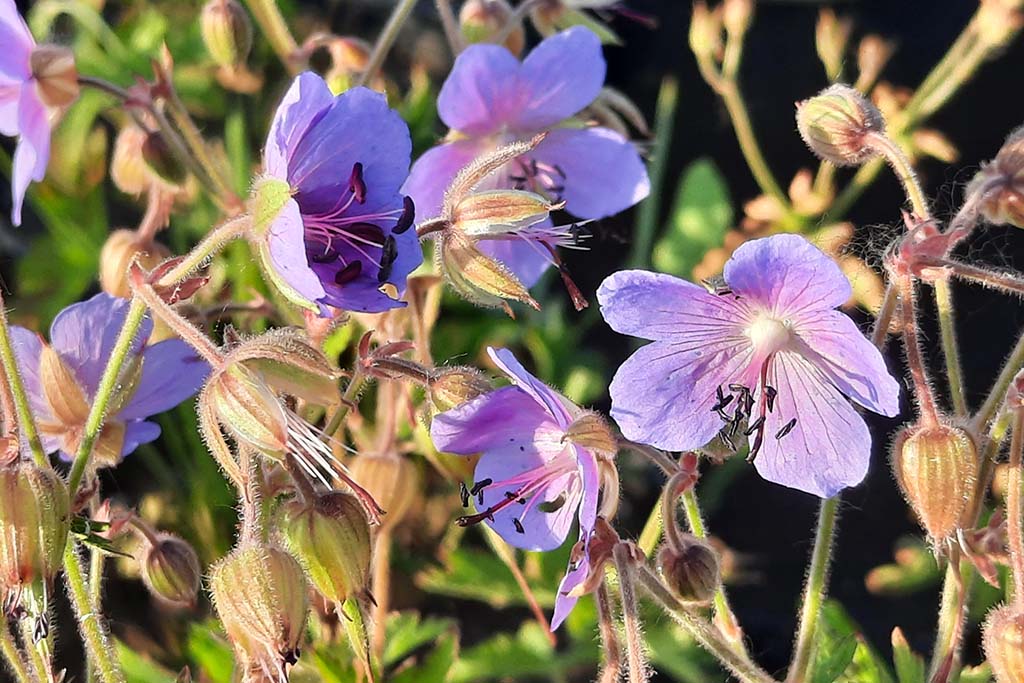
(214, 241)
(12, 655)
(268, 16)
(952, 611)
(648, 214)
(386, 39)
(997, 393)
(42, 668)
(96, 562)
(901, 166)
(90, 620)
(814, 592)
(1015, 508)
(26, 421)
(636, 661)
(950, 347)
(348, 400)
(737, 108)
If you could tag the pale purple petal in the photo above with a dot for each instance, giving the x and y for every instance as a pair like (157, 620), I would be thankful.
(603, 171)
(286, 244)
(305, 102)
(434, 171)
(171, 373)
(15, 37)
(662, 395)
(84, 334)
(500, 417)
(33, 151)
(787, 274)
(837, 347)
(662, 307)
(590, 475)
(564, 603)
(9, 97)
(559, 77)
(28, 348)
(527, 260)
(139, 432)
(542, 393)
(828, 449)
(481, 93)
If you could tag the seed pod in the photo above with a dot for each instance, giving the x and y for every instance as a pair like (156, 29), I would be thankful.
(691, 572)
(836, 124)
(1001, 183)
(452, 387)
(331, 536)
(1004, 644)
(35, 520)
(393, 481)
(120, 249)
(55, 74)
(480, 20)
(170, 569)
(262, 598)
(936, 468)
(227, 32)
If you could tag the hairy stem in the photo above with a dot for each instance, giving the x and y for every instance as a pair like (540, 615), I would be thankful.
(890, 301)
(348, 401)
(749, 146)
(915, 361)
(997, 393)
(12, 655)
(636, 661)
(1015, 507)
(386, 39)
(900, 164)
(41, 666)
(90, 621)
(268, 16)
(611, 648)
(950, 347)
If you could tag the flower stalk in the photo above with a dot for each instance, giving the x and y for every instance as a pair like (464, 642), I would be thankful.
(386, 39)
(1015, 506)
(636, 659)
(268, 16)
(90, 620)
(26, 422)
(12, 656)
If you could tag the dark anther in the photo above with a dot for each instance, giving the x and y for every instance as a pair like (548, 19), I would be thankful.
(464, 494)
(368, 232)
(356, 184)
(328, 256)
(754, 426)
(533, 168)
(786, 429)
(517, 178)
(348, 273)
(406, 219)
(291, 657)
(480, 486)
(387, 258)
(737, 420)
(518, 525)
(470, 520)
(770, 394)
(727, 440)
(558, 170)
(552, 505)
(739, 389)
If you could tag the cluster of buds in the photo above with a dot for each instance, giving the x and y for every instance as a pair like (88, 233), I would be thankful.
(689, 565)
(838, 125)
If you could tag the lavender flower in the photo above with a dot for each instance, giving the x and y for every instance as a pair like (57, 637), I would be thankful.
(491, 99)
(531, 483)
(342, 231)
(35, 82)
(765, 355)
(62, 378)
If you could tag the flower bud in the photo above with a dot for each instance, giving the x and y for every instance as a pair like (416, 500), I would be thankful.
(691, 572)
(35, 520)
(1001, 183)
(53, 68)
(495, 212)
(129, 171)
(836, 125)
(393, 481)
(161, 161)
(482, 19)
(936, 468)
(248, 409)
(451, 387)
(227, 32)
(736, 16)
(1004, 644)
(349, 57)
(121, 248)
(331, 536)
(477, 277)
(170, 569)
(705, 31)
(831, 35)
(262, 598)
(873, 54)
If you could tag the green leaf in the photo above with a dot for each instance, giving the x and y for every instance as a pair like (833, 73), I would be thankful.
(982, 673)
(831, 661)
(407, 631)
(674, 652)
(436, 666)
(141, 669)
(525, 655)
(208, 649)
(836, 633)
(700, 218)
(910, 667)
(479, 575)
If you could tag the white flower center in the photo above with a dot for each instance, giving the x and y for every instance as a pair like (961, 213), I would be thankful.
(769, 334)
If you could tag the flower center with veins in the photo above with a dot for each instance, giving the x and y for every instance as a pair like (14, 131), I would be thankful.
(769, 334)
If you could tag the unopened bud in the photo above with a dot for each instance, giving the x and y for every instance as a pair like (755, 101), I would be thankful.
(35, 520)
(736, 16)
(495, 212)
(451, 387)
(477, 277)
(349, 57)
(331, 536)
(53, 69)
(248, 409)
(1004, 644)
(392, 480)
(873, 54)
(170, 569)
(936, 468)
(836, 124)
(831, 35)
(482, 19)
(121, 248)
(129, 171)
(159, 158)
(705, 31)
(692, 571)
(1001, 183)
(262, 598)
(227, 32)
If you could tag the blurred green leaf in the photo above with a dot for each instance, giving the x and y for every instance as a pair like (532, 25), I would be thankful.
(408, 631)
(673, 652)
(909, 665)
(831, 659)
(139, 668)
(525, 655)
(701, 215)
(436, 666)
(210, 651)
(836, 631)
(982, 673)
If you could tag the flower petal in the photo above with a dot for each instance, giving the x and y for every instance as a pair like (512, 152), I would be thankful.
(10, 95)
(828, 448)
(603, 171)
(33, 151)
(16, 39)
(505, 416)
(28, 347)
(527, 260)
(850, 361)
(542, 393)
(787, 274)
(481, 93)
(171, 373)
(559, 77)
(434, 171)
(286, 246)
(84, 334)
(662, 395)
(304, 104)
(139, 432)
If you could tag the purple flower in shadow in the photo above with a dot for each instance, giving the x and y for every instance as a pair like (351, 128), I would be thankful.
(531, 484)
(765, 355)
(491, 99)
(344, 233)
(62, 378)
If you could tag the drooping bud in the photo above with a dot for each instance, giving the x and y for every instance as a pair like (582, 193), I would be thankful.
(393, 481)
(121, 248)
(262, 598)
(35, 520)
(159, 158)
(248, 409)
(331, 536)
(1001, 183)
(451, 387)
(692, 571)
(831, 35)
(227, 32)
(477, 277)
(936, 468)
(480, 20)
(129, 171)
(1004, 644)
(170, 569)
(349, 57)
(837, 125)
(53, 69)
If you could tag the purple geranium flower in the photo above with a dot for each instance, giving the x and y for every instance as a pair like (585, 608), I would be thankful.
(158, 377)
(766, 354)
(530, 483)
(491, 99)
(345, 231)
(35, 81)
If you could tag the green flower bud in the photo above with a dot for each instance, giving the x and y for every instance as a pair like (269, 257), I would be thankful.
(249, 409)
(1004, 644)
(836, 124)
(262, 598)
(227, 32)
(331, 536)
(170, 569)
(692, 571)
(482, 19)
(451, 387)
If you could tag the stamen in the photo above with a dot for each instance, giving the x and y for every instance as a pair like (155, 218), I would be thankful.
(387, 259)
(356, 183)
(771, 394)
(328, 256)
(754, 426)
(786, 429)
(464, 494)
(405, 221)
(578, 300)
(518, 525)
(349, 273)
